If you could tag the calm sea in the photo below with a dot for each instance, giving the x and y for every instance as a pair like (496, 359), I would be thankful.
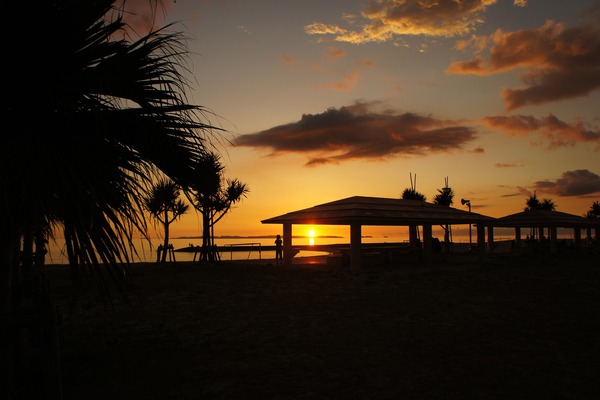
(146, 252)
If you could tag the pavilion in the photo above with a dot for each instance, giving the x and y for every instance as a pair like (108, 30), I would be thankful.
(361, 211)
(550, 220)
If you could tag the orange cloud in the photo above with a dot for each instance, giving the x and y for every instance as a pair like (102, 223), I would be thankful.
(361, 132)
(335, 53)
(558, 63)
(554, 131)
(347, 83)
(287, 59)
(384, 19)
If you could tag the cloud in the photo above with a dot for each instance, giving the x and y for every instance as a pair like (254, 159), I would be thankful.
(382, 20)
(554, 131)
(347, 83)
(557, 62)
(507, 165)
(572, 183)
(287, 59)
(361, 131)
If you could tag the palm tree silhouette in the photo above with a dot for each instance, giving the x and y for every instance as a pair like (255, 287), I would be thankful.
(445, 197)
(90, 131)
(412, 194)
(533, 203)
(593, 213)
(165, 206)
(213, 196)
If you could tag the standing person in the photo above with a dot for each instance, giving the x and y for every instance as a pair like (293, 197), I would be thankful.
(278, 250)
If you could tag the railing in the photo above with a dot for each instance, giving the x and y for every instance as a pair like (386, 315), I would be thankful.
(244, 246)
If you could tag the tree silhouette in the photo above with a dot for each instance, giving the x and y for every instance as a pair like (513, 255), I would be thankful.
(213, 196)
(445, 197)
(107, 114)
(533, 203)
(594, 211)
(412, 194)
(165, 206)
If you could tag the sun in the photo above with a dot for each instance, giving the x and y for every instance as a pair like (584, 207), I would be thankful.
(311, 237)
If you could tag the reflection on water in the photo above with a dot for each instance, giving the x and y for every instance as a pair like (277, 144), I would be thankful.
(146, 252)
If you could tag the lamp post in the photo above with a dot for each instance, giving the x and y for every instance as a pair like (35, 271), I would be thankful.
(468, 203)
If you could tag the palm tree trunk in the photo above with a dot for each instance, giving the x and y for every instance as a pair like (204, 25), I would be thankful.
(204, 253)
(166, 241)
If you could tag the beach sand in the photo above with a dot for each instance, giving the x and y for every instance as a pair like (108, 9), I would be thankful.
(505, 327)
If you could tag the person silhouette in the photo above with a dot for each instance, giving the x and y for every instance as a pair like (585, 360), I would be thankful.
(278, 250)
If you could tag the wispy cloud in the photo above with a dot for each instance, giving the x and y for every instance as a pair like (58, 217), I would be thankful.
(383, 20)
(557, 62)
(332, 75)
(571, 183)
(553, 131)
(507, 165)
(346, 83)
(361, 131)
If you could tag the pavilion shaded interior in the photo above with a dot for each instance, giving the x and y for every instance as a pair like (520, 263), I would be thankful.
(359, 211)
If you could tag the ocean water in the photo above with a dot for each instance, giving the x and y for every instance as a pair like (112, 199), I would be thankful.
(146, 251)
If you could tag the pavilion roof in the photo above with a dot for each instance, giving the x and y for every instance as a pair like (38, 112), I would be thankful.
(379, 211)
(545, 218)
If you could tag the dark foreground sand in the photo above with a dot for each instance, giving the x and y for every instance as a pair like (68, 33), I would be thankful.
(505, 328)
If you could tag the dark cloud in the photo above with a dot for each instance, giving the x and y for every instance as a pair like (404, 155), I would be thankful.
(556, 133)
(572, 183)
(557, 62)
(361, 132)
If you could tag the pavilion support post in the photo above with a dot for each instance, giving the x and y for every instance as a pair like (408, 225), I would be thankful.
(427, 244)
(288, 255)
(480, 240)
(552, 232)
(577, 235)
(518, 238)
(355, 247)
(490, 232)
(412, 236)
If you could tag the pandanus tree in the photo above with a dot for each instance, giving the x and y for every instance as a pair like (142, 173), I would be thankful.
(445, 197)
(412, 194)
(165, 206)
(213, 196)
(89, 130)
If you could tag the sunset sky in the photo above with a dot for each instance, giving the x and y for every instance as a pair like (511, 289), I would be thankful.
(324, 100)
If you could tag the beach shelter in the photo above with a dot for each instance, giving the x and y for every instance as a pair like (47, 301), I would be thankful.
(359, 211)
(550, 220)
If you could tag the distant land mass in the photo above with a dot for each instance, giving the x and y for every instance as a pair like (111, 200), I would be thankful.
(262, 237)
